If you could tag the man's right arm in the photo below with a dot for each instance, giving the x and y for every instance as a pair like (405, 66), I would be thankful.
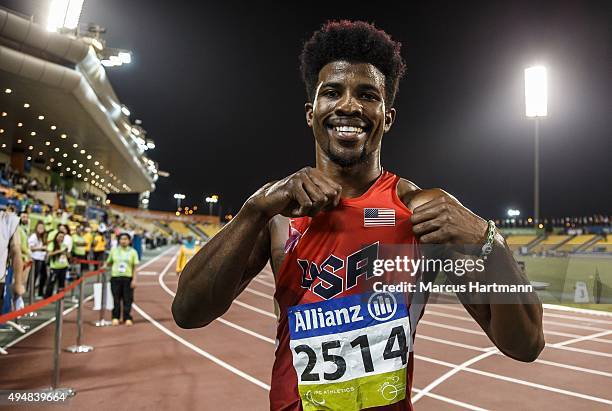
(218, 272)
(212, 278)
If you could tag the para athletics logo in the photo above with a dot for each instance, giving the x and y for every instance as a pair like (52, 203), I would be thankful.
(334, 275)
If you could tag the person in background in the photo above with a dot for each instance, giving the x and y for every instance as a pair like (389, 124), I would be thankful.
(63, 228)
(58, 256)
(137, 242)
(38, 248)
(88, 237)
(10, 258)
(187, 250)
(79, 250)
(123, 260)
(99, 245)
(24, 232)
(49, 221)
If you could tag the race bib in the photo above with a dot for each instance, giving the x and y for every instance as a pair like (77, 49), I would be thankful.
(351, 353)
(122, 267)
(63, 259)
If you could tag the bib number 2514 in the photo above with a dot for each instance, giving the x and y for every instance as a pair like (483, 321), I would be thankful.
(396, 347)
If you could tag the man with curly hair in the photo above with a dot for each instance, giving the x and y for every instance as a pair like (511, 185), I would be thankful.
(341, 346)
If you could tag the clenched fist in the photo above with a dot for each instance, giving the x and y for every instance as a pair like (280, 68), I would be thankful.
(304, 193)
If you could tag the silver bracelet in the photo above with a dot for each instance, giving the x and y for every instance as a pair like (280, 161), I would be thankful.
(488, 245)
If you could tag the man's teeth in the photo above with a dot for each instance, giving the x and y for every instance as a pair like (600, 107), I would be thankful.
(349, 129)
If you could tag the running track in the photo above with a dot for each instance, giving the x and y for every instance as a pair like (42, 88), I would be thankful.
(157, 365)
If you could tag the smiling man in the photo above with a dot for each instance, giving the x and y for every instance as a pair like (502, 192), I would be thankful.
(339, 345)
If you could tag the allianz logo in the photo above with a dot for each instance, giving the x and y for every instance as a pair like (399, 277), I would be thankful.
(381, 307)
(313, 319)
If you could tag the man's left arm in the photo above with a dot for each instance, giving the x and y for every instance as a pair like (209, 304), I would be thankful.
(514, 321)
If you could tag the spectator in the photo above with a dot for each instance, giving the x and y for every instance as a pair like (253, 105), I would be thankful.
(123, 260)
(58, 263)
(38, 248)
(24, 232)
(88, 237)
(188, 249)
(79, 249)
(67, 237)
(10, 258)
(99, 245)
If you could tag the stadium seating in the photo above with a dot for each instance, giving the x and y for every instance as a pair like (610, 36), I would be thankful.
(182, 229)
(603, 245)
(575, 242)
(209, 229)
(550, 243)
(515, 242)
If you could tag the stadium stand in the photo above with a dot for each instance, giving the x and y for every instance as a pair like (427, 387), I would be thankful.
(182, 229)
(209, 229)
(550, 243)
(515, 242)
(602, 246)
(575, 243)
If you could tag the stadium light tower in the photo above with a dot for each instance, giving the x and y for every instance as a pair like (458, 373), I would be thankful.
(536, 107)
(179, 197)
(211, 201)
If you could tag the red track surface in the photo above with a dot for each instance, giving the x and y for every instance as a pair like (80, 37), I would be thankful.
(157, 365)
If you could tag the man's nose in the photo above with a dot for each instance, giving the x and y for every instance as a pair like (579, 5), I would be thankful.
(348, 105)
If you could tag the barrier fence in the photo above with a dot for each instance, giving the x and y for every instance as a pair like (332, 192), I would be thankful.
(58, 299)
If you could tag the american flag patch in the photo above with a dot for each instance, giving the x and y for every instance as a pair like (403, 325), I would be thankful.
(377, 217)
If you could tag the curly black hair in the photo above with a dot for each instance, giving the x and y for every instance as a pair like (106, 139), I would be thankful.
(354, 41)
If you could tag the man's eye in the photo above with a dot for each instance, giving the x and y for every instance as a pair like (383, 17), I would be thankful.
(330, 93)
(369, 96)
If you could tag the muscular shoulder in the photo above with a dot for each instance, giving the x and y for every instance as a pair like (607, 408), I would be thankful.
(413, 196)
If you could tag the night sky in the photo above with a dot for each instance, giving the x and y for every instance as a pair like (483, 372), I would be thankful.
(217, 87)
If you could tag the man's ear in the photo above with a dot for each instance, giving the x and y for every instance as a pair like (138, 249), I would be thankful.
(309, 108)
(389, 119)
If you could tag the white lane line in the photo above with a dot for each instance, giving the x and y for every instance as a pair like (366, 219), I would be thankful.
(450, 401)
(584, 338)
(255, 309)
(518, 381)
(576, 326)
(260, 281)
(191, 346)
(468, 331)
(546, 362)
(259, 293)
(69, 310)
(477, 332)
(581, 350)
(455, 369)
(546, 314)
(200, 351)
(452, 327)
(471, 320)
(460, 308)
(167, 289)
(577, 310)
(147, 273)
(583, 319)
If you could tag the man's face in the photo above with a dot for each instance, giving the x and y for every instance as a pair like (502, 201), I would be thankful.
(24, 218)
(124, 241)
(348, 116)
